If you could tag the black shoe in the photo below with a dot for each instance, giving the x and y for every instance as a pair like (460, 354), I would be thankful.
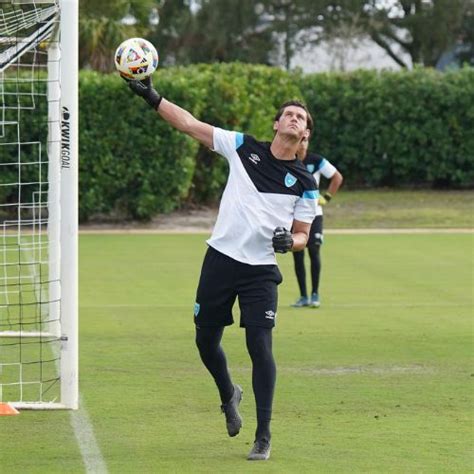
(231, 411)
(260, 451)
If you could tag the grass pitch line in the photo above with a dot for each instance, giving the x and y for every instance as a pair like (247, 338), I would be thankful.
(207, 231)
(84, 433)
(327, 305)
(359, 370)
(350, 370)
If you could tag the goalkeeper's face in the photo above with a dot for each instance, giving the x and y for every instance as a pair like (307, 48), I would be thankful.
(292, 123)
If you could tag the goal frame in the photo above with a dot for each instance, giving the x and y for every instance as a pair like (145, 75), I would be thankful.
(63, 200)
(69, 200)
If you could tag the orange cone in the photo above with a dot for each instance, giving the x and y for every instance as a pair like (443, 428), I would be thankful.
(6, 409)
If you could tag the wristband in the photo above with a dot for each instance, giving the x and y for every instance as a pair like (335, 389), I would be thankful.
(153, 99)
(327, 196)
(158, 102)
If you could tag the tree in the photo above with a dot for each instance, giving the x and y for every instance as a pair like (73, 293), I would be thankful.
(292, 24)
(236, 30)
(231, 30)
(423, 29)
(174, 35)
(345, 39)
(102, 28)
(272, 31)
(466, 50)
(220, 30)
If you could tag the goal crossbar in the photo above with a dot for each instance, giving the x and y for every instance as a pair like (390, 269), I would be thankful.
(45, 17)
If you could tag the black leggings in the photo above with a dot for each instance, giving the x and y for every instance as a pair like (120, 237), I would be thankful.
(315, 257)
(259, 346)
(208, 341)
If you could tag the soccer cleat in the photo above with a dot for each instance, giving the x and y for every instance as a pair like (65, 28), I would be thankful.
(300, 302)
(231, 411)
(260, 451)
(314, 302)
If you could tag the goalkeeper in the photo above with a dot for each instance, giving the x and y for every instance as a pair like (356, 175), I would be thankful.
(268, 191)
(317, 165)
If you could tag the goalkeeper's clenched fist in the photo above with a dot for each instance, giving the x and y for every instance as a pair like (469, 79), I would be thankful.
(282, 240)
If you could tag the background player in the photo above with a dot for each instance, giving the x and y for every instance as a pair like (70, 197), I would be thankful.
(317, 165)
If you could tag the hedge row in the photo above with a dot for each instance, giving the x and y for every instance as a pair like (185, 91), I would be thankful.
(397, 129)
(380, 129)
(134, 164)
(131, 163)
(404, 128)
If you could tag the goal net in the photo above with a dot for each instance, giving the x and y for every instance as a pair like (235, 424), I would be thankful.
(38, 203)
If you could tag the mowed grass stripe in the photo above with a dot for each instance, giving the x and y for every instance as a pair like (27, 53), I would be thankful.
(340, 306)
(381, 388)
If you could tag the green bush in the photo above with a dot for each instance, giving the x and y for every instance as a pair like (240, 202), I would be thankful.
(132, 164)
(117, 175)
(403, 128)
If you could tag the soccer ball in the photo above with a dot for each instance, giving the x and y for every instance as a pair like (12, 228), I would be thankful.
(136, 58)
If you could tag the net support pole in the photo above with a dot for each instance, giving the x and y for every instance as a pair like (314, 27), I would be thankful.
(69, 203)
(54, 180)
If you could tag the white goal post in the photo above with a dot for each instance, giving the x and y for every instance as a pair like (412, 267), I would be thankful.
(39, 203)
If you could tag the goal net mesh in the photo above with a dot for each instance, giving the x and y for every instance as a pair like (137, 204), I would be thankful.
(29, 238)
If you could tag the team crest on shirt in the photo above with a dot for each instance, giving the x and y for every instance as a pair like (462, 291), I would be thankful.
(197, 307)
(290, 180)
(310, 168)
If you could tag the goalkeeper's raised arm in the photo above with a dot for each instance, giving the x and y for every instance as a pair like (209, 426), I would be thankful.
(177, 117)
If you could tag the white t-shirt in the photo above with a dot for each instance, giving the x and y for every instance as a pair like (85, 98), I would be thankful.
(261, 193)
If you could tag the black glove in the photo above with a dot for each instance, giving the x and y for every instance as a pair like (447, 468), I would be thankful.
(328, 196)
(282, 240)
(145, 89)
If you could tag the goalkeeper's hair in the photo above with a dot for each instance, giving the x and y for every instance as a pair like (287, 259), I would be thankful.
(296, 103)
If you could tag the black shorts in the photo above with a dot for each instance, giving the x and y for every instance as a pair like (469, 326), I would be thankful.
(223, 279)
(316, 232)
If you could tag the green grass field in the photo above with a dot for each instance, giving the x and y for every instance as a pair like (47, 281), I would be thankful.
(401, 209)
(379, 379)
